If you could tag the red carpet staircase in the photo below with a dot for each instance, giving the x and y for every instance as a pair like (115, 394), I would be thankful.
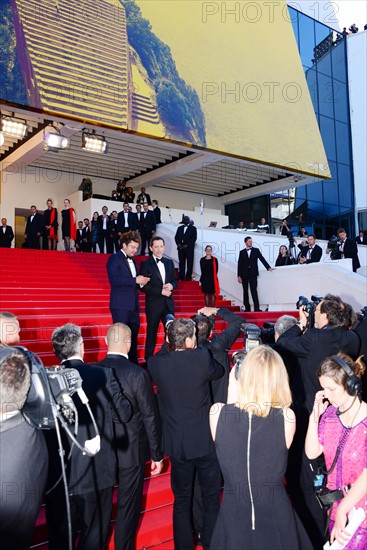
(46, 289)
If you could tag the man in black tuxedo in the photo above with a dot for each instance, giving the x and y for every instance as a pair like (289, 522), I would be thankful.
(104, 236)
(147, 227)
(182, 375)
(185, 239)
(123, 276)
(86, 236)
(6, 234)
(34, 229)
(158, 291)
(91, 476)
(348, 248)
(79, 237)
(23, 455)
(157, 212)
(361, 239)
(113, 232)
(143, 197)
(248, 272)
(311, 254)
(138, 440)
(126, 220)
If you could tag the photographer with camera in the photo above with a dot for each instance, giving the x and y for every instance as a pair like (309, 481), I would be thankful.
(329, 335)
(23, 455)
(218, 344)
(182, 374)
(90, 478)
(337, 428)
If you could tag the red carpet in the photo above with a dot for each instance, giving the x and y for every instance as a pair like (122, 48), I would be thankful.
(46, 289)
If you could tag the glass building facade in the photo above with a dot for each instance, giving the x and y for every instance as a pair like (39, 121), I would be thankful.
(323, 206)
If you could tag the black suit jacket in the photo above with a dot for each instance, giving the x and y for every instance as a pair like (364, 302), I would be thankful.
(316, 254)
(7, 237)
(79, 238)
(187, 238)
(219, 345)
(34, 227)
(131, 220)
(358, 240)
(147, 222)
(157, 214)
(248, 266)
(351, 251)
(155, 301)
(184, 400)
(314, 346)
(143, 198)
(140, 438)
(108, 404)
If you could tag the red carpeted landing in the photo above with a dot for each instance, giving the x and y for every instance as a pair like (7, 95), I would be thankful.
(46, 289)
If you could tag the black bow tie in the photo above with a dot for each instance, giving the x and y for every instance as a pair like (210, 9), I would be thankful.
(159, 260)
(128, 257)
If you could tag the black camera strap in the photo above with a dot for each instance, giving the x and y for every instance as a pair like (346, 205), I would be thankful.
(342, 442)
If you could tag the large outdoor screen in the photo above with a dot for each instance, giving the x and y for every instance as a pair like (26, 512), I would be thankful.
(225, 76)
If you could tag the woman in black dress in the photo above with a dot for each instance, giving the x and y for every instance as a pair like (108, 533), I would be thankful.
(94, 231)
(51, 225)
(209, 277)
(283, 257)
(68, 225)
(252, 437)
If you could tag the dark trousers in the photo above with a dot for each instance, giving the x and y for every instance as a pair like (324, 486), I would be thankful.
(90, 512)
(182, 483)
(252, 281)
(130, 318)
(145, 240)
(104, 237)
(186, 261)
(33, 242)
(153, 320)
(130, 491)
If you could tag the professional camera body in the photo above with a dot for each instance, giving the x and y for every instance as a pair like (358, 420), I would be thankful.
(333, 248)
(310, 307)
(253, 336)
(50, 393)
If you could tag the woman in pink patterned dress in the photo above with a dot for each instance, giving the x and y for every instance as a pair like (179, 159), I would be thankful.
(342, 434)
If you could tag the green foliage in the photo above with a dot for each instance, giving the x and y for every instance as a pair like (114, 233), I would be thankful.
(11, 82)
(178, 103)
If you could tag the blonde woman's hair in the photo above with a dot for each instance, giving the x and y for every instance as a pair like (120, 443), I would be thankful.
(263, 382)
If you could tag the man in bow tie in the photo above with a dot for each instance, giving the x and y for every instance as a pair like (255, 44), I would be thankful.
(158, 291)
(248, 272)
(125, 281)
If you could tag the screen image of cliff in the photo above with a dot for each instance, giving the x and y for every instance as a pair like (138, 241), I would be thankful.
(228, 79)
(97, 60)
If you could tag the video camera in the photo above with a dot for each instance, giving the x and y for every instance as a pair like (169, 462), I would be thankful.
(333, 248)
(309, 307)
(51, 387)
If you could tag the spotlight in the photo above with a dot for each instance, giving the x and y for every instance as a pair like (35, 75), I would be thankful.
(14, 128)
(55, 141)
(94, 143)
